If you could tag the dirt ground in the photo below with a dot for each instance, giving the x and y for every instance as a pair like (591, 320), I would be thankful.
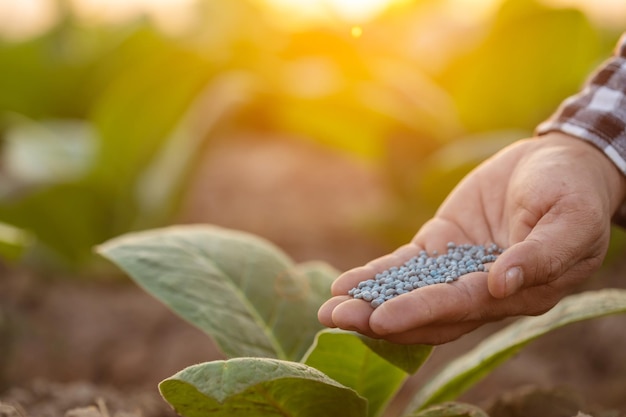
(82, 348)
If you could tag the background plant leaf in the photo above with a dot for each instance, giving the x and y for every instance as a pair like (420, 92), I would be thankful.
(69, 218)
(466, 370)
(13, 243)
(451, 409)
(444, 168)
(365, 365)
(320, 275)
(238, 288)
(250, 387)
(528, 44)
(47, 152)
(162, 186)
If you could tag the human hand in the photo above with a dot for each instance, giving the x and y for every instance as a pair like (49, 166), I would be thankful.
(548, 200)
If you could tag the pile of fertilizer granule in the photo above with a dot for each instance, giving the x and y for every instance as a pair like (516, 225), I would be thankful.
(425, 269)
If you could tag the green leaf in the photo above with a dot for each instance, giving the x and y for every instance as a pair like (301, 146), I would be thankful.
(250, 387)
(137, 112)
(13, 243)
(48, 76)
(451, 409)
(368, 366)
(43, 190)
(504, 82)
(68, 218)
(320, 276)
(50, 151)
(447, 166)
(339, 125)
(162, 186)
(466, 370)
(140, 103)
(409, 358)
(238, 288)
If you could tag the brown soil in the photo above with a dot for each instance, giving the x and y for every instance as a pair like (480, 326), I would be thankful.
(81, 348)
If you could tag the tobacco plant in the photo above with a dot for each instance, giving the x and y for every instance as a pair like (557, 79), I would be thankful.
(260, 309)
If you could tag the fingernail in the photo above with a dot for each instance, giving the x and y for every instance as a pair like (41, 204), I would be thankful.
(513, 280)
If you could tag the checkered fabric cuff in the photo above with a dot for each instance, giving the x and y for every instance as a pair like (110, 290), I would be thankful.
(598, 113)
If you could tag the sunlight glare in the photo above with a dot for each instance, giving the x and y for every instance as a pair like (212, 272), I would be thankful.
(26, 18)
(169, 15)
(359, 10)
(471, 10)
(347, 10)
(607, 12)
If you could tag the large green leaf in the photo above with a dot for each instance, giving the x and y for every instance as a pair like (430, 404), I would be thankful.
(375, 369)
(466, 370)
(250, 387)
(239, 288)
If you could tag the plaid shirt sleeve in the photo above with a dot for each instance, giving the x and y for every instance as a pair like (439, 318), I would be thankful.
(598, 113)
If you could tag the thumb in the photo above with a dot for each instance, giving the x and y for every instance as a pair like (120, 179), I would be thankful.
(547, 253)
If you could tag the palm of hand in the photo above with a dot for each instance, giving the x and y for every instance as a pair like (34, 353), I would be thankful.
(527, 198)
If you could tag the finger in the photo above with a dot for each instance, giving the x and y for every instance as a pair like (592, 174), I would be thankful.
(435, 334)
(325, 312)
(350, 279)
(529, 302)
(431, 335)
(353, 315)
(464, 300)
(442, 313)
(553, 247)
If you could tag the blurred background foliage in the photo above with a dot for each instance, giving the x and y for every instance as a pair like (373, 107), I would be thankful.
(102, 123)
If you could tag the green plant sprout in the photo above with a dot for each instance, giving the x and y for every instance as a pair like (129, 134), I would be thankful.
(260, 309)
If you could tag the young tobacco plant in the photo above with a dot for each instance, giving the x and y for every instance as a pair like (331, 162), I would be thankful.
(260, 308)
